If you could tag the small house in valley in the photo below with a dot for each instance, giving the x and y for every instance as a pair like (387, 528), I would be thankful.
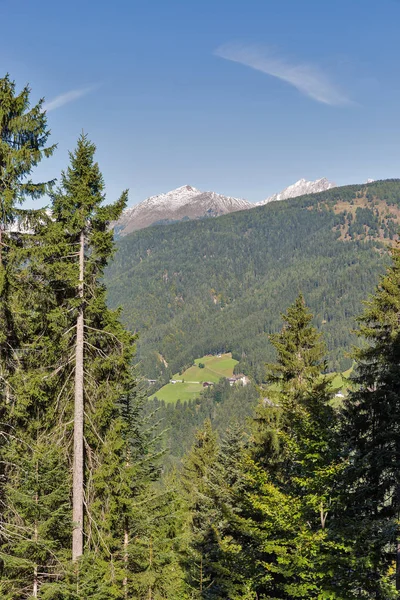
(243, 379)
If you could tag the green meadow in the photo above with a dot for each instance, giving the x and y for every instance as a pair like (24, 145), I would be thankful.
(190, 383)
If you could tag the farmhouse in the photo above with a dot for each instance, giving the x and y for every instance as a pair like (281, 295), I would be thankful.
(207, 384)
(243, 379)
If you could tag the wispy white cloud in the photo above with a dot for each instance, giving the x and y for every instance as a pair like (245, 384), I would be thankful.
(66, 98)
(307, 78)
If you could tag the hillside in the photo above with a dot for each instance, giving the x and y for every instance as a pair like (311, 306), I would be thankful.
(188, 384)
(219, 285)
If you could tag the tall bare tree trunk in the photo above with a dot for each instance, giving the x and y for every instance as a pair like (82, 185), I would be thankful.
(35, 582)
(201, 574)
(77, 493)
(150, 595)
(126, 557)
(397, 536)
(35, 568)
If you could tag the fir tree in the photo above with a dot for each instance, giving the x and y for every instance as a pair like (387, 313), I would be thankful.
(23, 139)
(161, 535)
(197, 466)
(371, 435)
(95, 386)
(294, 447)
(96, 352)
(297, 419)
(230, 556)
(29, 502)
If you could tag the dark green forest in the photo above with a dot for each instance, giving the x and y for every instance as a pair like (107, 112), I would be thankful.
(269, 491)
(176, 424)
(219, 285)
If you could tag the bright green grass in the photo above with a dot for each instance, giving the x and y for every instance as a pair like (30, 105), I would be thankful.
(172, 392)
(215, 368)
(197, 374)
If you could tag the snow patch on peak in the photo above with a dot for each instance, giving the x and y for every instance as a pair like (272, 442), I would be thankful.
(300, 188)
(185, 202)
(175, 198)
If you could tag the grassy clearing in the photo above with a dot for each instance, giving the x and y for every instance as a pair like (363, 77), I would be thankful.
(172, 392)
(215, 367)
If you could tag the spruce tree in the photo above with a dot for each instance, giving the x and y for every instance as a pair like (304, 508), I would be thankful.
(160, 531)
(96, 353)
(297, 419)
(28, 504)
(197, 466)
(23, 144)
(294, 455)
(230, 556)
(36, 516)
(371, 437)
(95, 386)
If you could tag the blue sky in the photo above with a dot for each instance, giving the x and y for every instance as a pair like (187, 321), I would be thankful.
(242, 97)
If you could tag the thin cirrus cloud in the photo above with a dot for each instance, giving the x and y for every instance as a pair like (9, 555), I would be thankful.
(308, 79)
(66, 98)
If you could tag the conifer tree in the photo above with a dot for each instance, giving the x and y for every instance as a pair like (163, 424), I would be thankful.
(294, 458)
(161, 535)
(195, 480)
(36, 511)
(28, 504)
(23, 144)
(297, 419)
(110, 454)
(100, 350)
(230, 557)
(371, 437)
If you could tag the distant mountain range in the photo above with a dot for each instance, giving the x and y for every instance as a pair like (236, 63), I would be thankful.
(187, 203)
(300, 188)
(184, 203)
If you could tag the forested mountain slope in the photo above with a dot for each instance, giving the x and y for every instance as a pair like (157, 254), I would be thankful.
(219, 285)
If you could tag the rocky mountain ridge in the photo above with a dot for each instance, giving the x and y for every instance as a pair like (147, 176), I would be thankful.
(300, 188)
(187, 202)
(183, 203)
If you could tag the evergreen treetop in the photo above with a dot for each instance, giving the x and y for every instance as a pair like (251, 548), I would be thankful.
(299, 347)
(23, 139)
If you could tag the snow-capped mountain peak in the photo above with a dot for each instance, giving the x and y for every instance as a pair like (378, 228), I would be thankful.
(173, 199)
(185, 202)
(300, 188)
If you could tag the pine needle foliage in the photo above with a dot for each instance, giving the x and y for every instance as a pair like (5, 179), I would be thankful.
(31, 463)
(295, 460)
(371, 437)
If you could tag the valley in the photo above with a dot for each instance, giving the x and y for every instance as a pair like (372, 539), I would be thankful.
(188, 384)
(219, 285)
